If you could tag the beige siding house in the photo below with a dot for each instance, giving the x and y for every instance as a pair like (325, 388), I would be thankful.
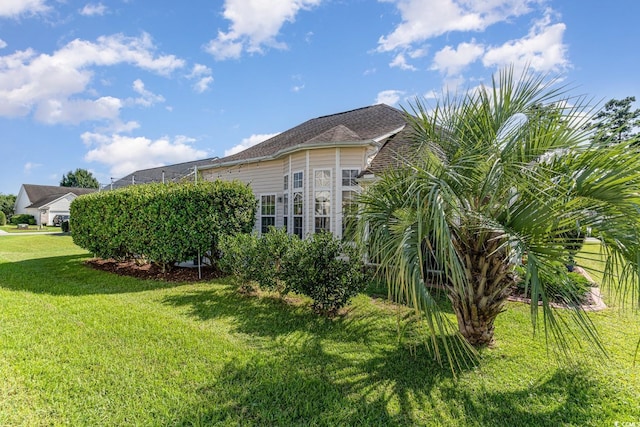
(305, 178)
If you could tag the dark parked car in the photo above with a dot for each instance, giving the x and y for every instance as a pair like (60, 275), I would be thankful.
(57, 220)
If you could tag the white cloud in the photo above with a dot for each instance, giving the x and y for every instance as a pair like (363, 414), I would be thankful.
(298, 83)
(56, 86)
(74, 111)
(117, 49)
(125, 154)
(254, 26)
(147, 98)
(389, 97)
(432, 94)
(29, 166)
(425, 19)
(3, 44)
(200, 70)
(249, 142)
(452, 61)
(401, 62)
(542, 49)
(91, 9)
(15, 8)
(202, 75)
(203, 84)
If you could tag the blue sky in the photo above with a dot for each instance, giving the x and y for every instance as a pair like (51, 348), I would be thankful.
(119, 85)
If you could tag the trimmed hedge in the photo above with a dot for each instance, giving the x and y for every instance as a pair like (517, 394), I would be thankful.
(162, 223)
(23, 219)
(3, 218)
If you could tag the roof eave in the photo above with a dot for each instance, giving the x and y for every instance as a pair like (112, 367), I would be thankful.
(53, 201)
(291, 150)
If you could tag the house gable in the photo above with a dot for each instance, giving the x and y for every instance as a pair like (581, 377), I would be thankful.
(361, 126)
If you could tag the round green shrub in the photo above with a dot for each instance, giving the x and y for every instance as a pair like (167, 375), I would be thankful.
(3, 218)
(325, 269)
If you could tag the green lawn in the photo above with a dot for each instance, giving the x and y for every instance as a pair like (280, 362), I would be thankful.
(82, 347)
(14, 228)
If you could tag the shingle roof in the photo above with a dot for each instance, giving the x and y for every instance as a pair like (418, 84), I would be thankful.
(395, 151)
(171, 173)
(399, 150)
(40, 195)
(358, 125)
(362, 124)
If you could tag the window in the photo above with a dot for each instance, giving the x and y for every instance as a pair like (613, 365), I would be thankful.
(322, 211)
(349, 206)
(298, 204)
(323, 179)
(349, 211)
(285, 200)
(298, 209)
(286, 211)
(349, 177)
(322, 200)
(267, 212)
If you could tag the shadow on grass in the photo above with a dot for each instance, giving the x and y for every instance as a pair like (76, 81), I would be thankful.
(390, 388)
(352, 371)
(378, 289)
(67, 275)
(266, 316)
(569, 397)
(314, 387)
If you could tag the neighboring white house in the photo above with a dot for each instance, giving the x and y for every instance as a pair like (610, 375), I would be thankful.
(306, 177)
(44, 202)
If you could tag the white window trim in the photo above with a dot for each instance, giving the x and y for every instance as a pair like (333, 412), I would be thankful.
(292, 192)
(292, 185)
(342, 169)
(342, 188)
(275, 205)
(328, 188)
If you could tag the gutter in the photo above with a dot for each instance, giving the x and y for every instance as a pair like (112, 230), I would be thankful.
(287, 151)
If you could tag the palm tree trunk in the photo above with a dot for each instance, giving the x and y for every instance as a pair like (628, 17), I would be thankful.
(476, 308)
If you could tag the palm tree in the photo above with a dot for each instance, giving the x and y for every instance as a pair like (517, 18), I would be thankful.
(501, 173)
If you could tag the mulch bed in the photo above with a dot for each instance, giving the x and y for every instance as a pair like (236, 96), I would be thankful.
(517, 294)
(592, 300)
(153, 271)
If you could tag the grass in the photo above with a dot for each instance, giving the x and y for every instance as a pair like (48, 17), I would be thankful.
(9, 228)
(82, 347)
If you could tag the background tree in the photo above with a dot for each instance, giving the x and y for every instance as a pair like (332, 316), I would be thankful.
(498, 178)
(80, 178)
(7, 202)
(617, 121)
